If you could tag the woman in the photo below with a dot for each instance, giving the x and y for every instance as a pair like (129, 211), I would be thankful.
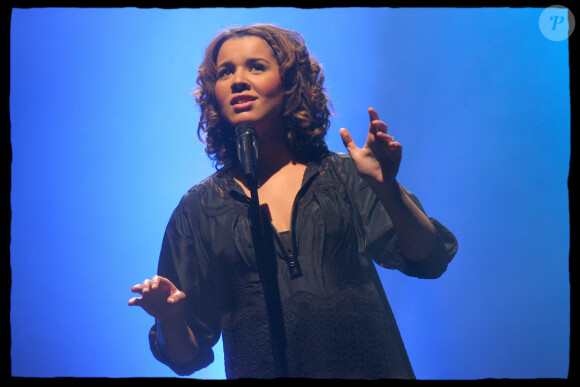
(330, 215)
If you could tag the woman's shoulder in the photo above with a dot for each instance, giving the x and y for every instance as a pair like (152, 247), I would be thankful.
(338, 157)
(339, 162)
(212, 196)
(215, 183)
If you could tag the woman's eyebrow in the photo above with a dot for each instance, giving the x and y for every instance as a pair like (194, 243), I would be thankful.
(252, 60)
(249, 60)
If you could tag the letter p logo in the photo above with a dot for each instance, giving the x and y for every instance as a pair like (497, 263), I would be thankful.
(557, 20)
(556, 23)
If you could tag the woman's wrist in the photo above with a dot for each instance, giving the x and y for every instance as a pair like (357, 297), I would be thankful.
(388, 193)
(176, 340)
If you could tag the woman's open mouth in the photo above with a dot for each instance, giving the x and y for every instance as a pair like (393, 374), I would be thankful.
(242, 102)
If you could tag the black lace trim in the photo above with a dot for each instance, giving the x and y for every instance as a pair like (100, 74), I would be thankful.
(247, 345)
(218, 185)
(346, 335)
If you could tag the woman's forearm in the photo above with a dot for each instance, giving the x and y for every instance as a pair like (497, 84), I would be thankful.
(176, 341)
(415, 232)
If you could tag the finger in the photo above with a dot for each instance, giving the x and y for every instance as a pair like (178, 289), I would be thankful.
(373, 115)
(162, 283)
(347, 140)
(146, 286)
(137, 288)
(385, 137)
(155, 282)
(388, 142)
(393, 151)
(378, 126)
(175, 297)
(135, 301)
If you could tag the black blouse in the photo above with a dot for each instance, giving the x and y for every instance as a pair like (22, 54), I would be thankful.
(337, 318)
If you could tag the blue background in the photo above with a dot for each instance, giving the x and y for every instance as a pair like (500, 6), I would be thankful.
(103, 135)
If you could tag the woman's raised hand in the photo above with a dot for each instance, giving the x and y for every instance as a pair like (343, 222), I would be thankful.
(159, 297)
(379, 160)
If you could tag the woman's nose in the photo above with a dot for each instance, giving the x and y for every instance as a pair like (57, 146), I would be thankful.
(239, 82)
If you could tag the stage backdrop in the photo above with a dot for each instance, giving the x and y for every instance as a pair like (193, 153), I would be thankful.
(103, 139)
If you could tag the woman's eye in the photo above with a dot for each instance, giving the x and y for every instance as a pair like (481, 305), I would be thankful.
(224, 72)
(257, 67)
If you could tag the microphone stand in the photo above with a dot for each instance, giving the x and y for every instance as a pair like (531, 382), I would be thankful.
(268, 271)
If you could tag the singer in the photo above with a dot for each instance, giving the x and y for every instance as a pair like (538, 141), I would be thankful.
(328, 217)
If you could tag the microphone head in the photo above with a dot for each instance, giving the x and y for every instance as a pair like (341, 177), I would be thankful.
(247, 146)
(245, 127)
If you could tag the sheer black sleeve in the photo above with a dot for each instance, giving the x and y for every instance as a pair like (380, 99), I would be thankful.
(377, 237)
(183, 260)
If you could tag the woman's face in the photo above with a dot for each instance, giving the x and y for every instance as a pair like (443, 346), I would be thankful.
(249, 86)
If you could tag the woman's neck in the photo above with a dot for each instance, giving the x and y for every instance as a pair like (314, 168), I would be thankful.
(272, 157)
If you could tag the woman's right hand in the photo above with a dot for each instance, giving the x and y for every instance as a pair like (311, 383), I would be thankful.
(160, 298)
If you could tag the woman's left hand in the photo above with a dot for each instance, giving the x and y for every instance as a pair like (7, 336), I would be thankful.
(378, 163)
(379, 160)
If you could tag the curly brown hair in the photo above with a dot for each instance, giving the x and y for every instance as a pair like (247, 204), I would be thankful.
(306, 110)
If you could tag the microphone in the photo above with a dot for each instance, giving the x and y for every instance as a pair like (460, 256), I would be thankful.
(247, 144)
